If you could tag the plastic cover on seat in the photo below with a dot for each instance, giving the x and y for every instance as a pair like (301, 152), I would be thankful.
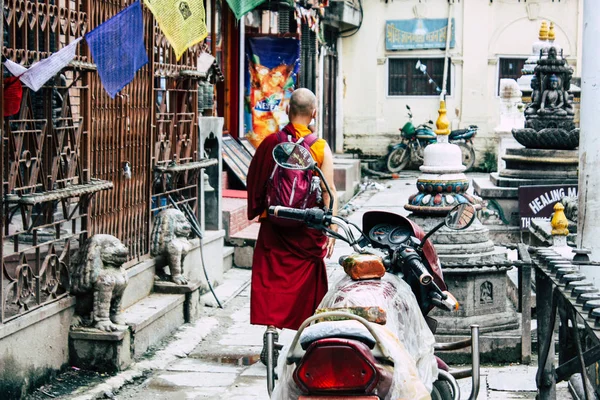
(338, 329)
(405, 336)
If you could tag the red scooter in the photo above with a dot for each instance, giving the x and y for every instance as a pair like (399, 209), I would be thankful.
(370, 338)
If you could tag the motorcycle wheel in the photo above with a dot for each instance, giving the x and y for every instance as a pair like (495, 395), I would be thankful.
(398, 159)
(468, 155)
(442, 391)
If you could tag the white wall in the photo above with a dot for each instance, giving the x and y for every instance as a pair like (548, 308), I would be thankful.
(484, 32)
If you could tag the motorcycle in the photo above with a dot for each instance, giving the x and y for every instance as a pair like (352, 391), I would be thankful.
(370, 338)
(414, 141)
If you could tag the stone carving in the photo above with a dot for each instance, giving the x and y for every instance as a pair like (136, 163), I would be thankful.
(549, 117)
(486, 293)
(170, 243)
(98, 280)
(571, 205)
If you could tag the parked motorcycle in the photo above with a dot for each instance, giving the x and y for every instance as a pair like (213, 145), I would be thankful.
(414, 141)
(370, 339)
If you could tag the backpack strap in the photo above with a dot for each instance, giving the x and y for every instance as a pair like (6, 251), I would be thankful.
(310, 139)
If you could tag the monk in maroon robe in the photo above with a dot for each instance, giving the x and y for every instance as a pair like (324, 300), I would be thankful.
(288, 271)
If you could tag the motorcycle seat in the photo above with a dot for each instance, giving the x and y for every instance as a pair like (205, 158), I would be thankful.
(457, 132)
(337, 329)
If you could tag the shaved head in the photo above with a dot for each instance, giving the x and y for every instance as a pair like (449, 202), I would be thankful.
(302, 104)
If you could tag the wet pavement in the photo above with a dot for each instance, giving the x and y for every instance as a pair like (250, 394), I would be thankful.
(224, 363)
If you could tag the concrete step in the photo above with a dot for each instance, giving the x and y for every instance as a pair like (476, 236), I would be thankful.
(243, 243)
(235, 217)
(228, 258)
(235, 280)
(152, 319)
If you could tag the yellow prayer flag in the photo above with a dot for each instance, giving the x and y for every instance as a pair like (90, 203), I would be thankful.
(182, 21)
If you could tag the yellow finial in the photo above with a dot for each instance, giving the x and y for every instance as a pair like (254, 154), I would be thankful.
(442, 124)
(559, 221)
(544, 31)
(551, 35)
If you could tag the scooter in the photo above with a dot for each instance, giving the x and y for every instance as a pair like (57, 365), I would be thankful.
(370, 339)
(414, 140)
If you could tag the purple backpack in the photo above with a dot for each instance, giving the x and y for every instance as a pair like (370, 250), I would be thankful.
(292, 188)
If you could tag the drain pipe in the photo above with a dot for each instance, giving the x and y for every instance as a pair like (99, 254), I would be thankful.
(447, 54)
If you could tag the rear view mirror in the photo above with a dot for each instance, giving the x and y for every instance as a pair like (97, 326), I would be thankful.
(460, 217)
(293, 156)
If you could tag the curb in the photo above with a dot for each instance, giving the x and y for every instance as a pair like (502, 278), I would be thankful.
(185, 339)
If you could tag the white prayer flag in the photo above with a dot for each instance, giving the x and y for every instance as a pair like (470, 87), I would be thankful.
(42, 71)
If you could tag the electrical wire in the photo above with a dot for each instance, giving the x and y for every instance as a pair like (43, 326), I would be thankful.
(354, 30)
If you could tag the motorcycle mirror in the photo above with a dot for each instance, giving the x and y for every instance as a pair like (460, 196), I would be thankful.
(460, 217)
(293, 156)
(408, 107)
(430, 122)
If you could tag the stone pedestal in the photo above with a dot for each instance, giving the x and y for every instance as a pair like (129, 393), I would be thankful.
(100, 351)
(191, 306)
(540, 165)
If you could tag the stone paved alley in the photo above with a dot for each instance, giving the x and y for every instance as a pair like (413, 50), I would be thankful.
(217, 357)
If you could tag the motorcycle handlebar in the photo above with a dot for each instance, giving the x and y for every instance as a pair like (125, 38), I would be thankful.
(317, 219)
(413, 261)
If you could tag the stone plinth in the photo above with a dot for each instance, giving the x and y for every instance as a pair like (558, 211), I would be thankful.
(482, 295)
(541, 164)
(100, 351)
(480, 291)
(191, 306)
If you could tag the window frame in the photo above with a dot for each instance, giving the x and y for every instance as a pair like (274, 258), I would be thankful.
(450, 83)
(505, 57)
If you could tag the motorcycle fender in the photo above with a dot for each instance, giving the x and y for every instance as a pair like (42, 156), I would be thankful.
(400, 145)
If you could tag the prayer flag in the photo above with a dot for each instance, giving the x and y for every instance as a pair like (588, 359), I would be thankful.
(13, 93)
(118, 48)
(241, 7)
(40, 72)
(182, 21)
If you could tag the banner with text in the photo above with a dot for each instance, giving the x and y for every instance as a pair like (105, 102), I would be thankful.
(271, 70)
(411, 34)
(537, 202)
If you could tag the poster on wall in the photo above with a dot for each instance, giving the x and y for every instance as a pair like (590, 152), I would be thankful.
(410, 34)
(271, 72)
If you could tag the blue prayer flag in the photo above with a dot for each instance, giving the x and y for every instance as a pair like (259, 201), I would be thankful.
(118, 49)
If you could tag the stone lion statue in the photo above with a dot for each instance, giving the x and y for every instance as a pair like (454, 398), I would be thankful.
(170, 244)
(98, 280)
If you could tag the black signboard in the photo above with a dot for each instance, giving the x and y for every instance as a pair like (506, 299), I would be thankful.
(538, 201)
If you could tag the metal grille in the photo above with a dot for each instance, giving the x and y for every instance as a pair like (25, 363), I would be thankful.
(283, 21)
(45, 180)
(175, 144)
(405, 80)
(307, 58)
(121, 133)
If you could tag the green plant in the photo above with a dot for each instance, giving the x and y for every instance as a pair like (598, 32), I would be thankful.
(489, 161)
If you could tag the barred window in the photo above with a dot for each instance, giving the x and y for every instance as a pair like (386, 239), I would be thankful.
(405, 78)
(510, 68)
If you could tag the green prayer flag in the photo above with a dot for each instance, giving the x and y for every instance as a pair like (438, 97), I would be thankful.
(241, 7)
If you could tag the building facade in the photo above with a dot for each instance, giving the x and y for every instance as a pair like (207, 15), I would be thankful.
(492, 39)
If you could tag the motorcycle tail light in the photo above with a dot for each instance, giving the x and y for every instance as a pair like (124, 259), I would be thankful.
(337, 365)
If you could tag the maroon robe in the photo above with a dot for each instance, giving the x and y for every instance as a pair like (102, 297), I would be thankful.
(289, 278)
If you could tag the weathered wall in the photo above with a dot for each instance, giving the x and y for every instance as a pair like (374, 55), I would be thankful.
(34, 347)
(485, 31)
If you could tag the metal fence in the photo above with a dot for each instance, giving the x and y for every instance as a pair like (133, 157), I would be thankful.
(67, 148)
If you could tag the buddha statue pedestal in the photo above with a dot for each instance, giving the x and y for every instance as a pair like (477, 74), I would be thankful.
(550, 139)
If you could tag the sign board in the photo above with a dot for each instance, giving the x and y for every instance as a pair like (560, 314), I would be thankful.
(408, 34)
(537, 202)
